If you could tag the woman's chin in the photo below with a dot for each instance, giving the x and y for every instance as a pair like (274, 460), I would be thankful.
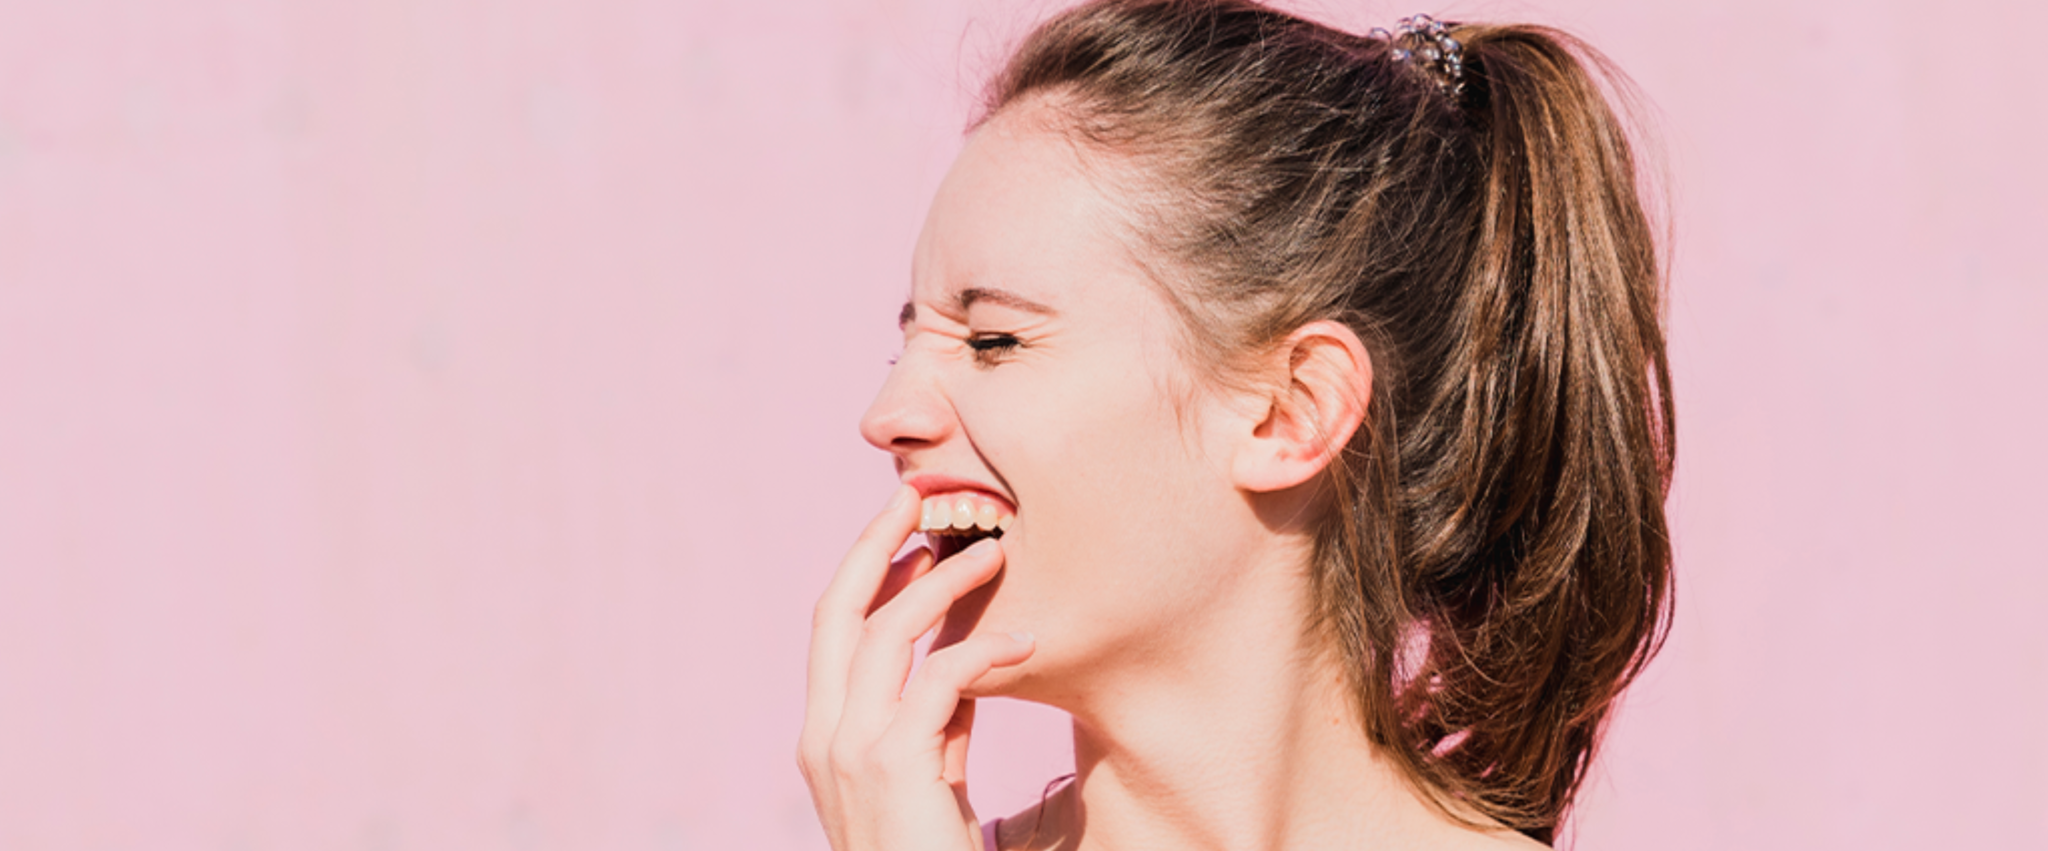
(969, 618)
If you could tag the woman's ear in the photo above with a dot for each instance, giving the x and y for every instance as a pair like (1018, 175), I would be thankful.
(1319, 400)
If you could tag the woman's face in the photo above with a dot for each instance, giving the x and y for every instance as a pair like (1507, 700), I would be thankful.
(1041, 375)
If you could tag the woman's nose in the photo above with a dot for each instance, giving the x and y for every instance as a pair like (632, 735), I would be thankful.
(908, 413)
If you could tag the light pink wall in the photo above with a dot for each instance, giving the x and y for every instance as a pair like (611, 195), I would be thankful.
(424, 424)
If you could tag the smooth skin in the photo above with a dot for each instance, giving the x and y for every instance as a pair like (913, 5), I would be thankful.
(1154, 584)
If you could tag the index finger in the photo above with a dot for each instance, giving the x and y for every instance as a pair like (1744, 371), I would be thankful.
(836, 624)
(861, 572)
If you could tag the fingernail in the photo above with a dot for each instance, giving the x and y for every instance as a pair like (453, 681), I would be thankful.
(1023, 637)
(980, 548)
(902, 497)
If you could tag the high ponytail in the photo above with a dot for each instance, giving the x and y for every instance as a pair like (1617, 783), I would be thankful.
(1535, 473)
(1493, 562)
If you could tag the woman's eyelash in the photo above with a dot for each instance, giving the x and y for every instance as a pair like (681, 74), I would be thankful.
(993, 342)
(988, 347)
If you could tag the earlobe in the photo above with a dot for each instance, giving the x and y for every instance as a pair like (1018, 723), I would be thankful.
(1323, 383)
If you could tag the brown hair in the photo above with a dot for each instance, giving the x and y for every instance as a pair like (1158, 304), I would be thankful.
(1494, 563)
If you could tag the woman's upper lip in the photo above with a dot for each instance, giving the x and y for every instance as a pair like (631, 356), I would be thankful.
(929, 484)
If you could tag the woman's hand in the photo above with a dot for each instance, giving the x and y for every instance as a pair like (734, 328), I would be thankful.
(886, 754)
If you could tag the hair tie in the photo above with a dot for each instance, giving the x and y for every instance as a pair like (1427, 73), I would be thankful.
(1426, 37)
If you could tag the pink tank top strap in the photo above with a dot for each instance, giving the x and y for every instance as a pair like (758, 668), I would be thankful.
(988, 833)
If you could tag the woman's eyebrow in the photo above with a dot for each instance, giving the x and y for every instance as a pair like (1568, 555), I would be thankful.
(966, 298)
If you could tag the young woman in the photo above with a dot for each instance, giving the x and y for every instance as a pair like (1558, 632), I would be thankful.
(1289, 407)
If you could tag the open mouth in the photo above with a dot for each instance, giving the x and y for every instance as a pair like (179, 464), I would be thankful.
(951, 522)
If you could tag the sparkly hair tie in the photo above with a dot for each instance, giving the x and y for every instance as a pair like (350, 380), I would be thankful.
(1430, 39)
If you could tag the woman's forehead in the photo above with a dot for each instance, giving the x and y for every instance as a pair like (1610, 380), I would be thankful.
(1021, 222)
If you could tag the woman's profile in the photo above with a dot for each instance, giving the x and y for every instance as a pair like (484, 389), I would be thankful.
(1288, 406)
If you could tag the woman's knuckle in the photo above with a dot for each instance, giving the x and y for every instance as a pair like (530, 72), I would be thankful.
(810, 753)
(844, 757)
(939, 671)
(879, 763)
(880, 627)
(952, 662)
(847, 771)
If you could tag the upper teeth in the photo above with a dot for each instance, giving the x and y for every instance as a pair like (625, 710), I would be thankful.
(959, 512)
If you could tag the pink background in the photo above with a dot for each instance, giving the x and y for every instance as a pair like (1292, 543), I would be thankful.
(425, 424)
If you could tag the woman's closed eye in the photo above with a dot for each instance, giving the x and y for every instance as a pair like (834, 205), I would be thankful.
(990, 349)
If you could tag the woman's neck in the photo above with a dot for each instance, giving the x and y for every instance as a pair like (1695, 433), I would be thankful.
(1246, 739)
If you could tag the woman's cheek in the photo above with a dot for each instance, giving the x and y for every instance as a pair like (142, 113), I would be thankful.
(1000, 414)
